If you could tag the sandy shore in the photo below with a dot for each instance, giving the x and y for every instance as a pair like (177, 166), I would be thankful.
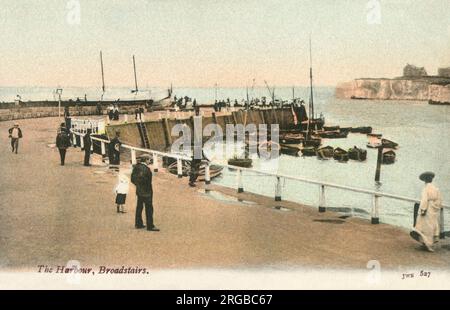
(52, 214)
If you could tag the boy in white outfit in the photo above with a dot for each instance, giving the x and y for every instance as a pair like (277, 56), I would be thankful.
(121, 191)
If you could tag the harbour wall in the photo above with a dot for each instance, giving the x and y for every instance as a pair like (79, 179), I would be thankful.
(159, 131)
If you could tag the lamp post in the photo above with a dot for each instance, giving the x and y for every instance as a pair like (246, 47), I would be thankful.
(59, 92)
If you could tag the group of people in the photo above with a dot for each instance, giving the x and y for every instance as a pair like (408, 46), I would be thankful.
(138, 113)
(113, 112)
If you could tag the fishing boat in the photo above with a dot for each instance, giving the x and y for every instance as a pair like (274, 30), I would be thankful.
(331, 128)
(358, 154)
(291, 138)
(388, 157)
(314, 142)
(289, 150)
(332, 134)
(365, 130)
(345, 129)
(214, 170)
(240, 162)
(325, 152)
(309, 151)
(374, 135)
(388, 144)
(340, 155)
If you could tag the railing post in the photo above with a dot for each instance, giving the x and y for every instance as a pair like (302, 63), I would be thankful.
(239, 181)
(207, 176)
(155, 162)
(125, 118)
(375, 209)
(322, 207)
(179, 168)
(103, 149)
(278, 190)
(92, 146)
(442, 232)
(133, 156)
(81, 142)
(74, 139)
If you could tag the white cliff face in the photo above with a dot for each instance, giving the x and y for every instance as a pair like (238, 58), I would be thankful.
(440, 94)
(387, 89)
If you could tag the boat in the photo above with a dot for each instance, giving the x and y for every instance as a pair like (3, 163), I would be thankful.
(325, 152)
(388, 157)
(365, 130)
(345, 129)
(214, 170)
(240, 162)
(332, 134)
(340, 154)
(269, 147)
(374, 135)
(331, 128)
(388, 144)
(291, 138)
(289, 150)
(314, 142)
(309, 151)
(358, 154)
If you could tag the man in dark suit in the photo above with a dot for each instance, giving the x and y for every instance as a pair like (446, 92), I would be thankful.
(87, 147)
(142, 178)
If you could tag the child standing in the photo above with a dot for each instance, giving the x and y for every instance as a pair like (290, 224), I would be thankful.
(121, 192)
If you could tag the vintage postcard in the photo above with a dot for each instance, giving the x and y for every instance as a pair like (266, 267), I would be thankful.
(194, 144)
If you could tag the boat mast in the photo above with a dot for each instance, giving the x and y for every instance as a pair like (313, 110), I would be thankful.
(103, 74)
(135, 76)
(311, 99)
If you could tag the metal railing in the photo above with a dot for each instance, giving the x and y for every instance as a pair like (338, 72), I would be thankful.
(376, 195)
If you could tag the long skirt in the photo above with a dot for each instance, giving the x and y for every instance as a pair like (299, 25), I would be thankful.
(428, 227)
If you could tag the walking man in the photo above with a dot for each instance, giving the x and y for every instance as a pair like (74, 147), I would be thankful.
(62, 142)
(114, 151)
(87, 147)
(15, 133)
(142, 178)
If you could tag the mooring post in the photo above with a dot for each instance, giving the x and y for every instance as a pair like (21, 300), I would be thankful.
(375, 209)
(207, 176)
(278, 190)
(133, 156)
(179, 168)
(379, 160)
(155, 162)
(322, 207)
(442, 234)
(240, 184)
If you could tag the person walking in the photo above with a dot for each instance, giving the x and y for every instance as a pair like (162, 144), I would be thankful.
(15, 133)
(62, 142)
(114, 151)
(87, 147)
(427, 229)
(141, 177)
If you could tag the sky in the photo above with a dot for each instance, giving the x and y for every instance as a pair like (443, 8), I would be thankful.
(197, 43)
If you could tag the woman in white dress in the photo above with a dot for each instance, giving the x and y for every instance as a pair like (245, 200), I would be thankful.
(427, 227)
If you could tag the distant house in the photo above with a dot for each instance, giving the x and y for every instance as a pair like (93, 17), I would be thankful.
(444, 72)
(413, 71)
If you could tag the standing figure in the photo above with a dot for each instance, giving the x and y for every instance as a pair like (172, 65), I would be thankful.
(121, 191)
(142, 178)
(15, 133)
(427, 227)
(87, 147)
(62, 142)
(114, 150)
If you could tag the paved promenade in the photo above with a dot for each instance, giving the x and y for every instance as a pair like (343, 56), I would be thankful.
(51, 214)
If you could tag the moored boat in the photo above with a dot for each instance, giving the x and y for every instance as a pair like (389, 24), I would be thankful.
(332, 134)
(240, 162)
(389, 144)
(308, 151)
(358, 154)
(325, 152)
(340, 154)
(289, 150)
(330, 128)
(214, 170)
(291, 138)
(366, 129)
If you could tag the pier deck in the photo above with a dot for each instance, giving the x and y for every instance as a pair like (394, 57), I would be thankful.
(52, 214)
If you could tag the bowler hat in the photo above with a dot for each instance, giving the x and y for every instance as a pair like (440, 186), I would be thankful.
(144, 157)
(427, 176)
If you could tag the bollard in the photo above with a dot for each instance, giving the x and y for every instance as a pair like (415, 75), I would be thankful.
(240, 185)
(207, 175)
(375, 207)
(442, 232)
(278, 190)
(322, 207)
(133, 157)
(155, 162)
(179, 168)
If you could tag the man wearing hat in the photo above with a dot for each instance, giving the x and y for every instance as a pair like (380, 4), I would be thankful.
(142, 178)
(15, 133)
(427, 227)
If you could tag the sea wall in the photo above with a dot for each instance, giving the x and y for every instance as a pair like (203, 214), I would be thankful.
(160, 136)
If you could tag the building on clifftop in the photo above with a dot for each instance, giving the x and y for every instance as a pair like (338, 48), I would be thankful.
(413, 71)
